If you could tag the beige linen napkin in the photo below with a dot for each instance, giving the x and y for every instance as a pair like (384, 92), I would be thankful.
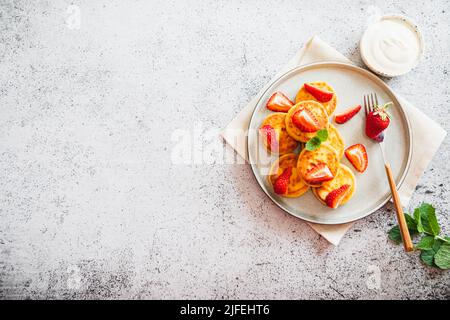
(427, 134)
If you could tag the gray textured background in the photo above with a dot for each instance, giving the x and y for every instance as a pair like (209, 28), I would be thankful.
(90, 204)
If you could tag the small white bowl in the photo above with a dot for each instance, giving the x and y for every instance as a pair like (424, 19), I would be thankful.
(391, 73)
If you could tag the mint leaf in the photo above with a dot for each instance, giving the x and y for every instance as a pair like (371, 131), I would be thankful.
(322, 135)
(411, 223)
(430, 212)
(442, 256)
(435, 248)
(313, 144)
(395, 235)
(426, 243)
(427, 256)
(437, 245)
(428, 219)
(418, 220)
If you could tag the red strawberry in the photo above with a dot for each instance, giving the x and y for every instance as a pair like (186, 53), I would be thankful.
(357, 155)
(320, 94)
(380, 137)
(318, 174)
(281, 184)
(347, 114)
(278, 102)
(305, 121)
(377, 121)
(335, 197)
(270, 134)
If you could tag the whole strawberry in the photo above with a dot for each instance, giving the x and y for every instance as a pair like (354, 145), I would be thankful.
(377, 121)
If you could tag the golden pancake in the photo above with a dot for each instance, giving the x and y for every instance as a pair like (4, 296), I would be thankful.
(304, 95)
(296, 186)
(286, 143)
(344, 176)
(316, 109)
(335, 141)
(309, 159)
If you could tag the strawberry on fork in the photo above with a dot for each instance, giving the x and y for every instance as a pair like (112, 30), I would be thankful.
(377, 121)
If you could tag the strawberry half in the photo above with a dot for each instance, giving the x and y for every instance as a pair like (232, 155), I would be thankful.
(320, 94)
(271, 137)
(318, 174)
(377, 121)
(281, 184)
(278, 102)
(347, 114)
(305, 121)
(335, 197)
(357, 155)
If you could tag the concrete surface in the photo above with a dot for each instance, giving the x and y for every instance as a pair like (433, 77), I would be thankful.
(92, 203)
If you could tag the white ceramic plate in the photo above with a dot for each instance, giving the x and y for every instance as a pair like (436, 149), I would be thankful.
(372, 190)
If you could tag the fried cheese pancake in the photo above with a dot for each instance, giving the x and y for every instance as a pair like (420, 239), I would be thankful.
(285, 143)
(316, 109)
(304, 95)
(296, 186)
(343, 176)
(307, 160)
(335, 141)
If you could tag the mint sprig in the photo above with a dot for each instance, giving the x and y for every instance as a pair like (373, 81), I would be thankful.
(314, 143)
(435, 249)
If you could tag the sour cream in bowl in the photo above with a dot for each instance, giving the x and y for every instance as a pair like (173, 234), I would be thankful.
(392, 46)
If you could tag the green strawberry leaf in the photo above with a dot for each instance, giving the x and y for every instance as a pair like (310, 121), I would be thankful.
(426, 243)
(442, 256)
(322, 135)
(313, 144)
(427, 256)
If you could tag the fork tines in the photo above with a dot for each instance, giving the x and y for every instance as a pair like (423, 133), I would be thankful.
(370, 101)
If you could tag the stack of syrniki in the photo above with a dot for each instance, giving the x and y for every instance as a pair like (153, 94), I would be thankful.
(289, 128)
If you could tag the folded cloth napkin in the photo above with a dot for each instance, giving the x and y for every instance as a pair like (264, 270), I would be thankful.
(427, 134)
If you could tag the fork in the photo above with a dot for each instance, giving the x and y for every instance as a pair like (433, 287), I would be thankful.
(369, 104)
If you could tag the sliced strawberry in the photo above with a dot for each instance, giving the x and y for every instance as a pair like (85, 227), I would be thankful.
(318, 174)
(347, 114)
(281, 184)
(357, 155)
(335, 197)
(305, 121)
(270, 134)
(320, 94)
(377, 121)
(278, 102)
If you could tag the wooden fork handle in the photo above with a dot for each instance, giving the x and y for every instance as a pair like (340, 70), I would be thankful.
(407, 243)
